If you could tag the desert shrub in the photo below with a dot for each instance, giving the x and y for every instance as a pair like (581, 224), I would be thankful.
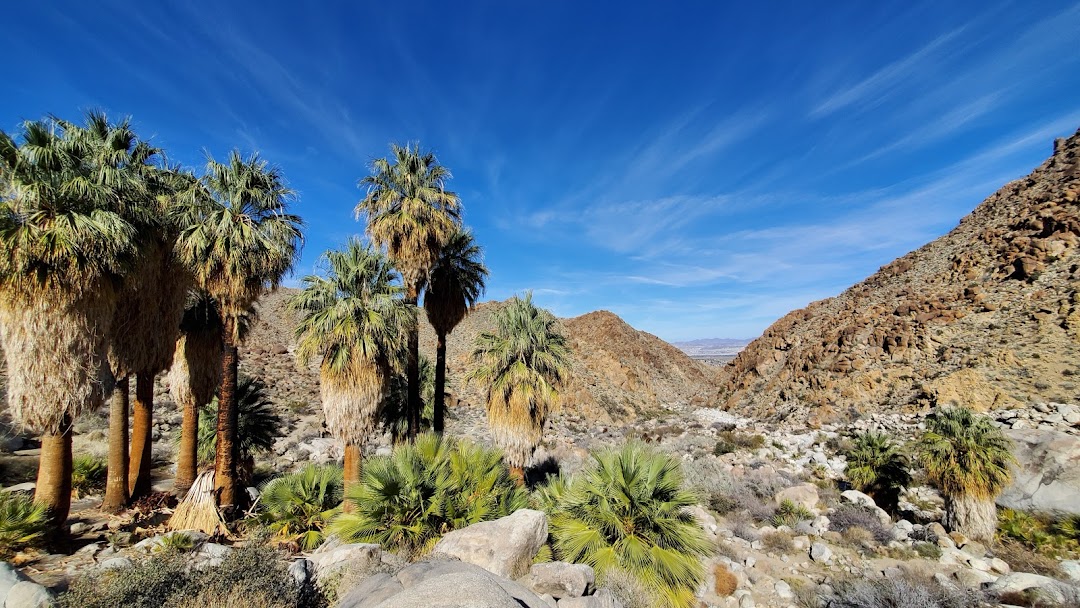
(256, 576)
(852, 516)
(859, 538)
(733, 441)
(630, 591)
(406, 501)
(725, 581)
(928, 550)
(23, 522)
(628, 512)
(88, 474)
(177, 542)
(790, 514)
(901, 592)
(778, 542)
(1056, 538)
(876, 465)
(298, 506)
(1022, 558)
(742, 527)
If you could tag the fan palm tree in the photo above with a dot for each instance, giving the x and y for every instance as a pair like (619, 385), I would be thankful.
(968, 459)
(520, 365)
(68, 229)
(411, 213)
(629, 512)
(258, 426)
(238, 239)
(194, 376)
(354, 318)
(876, 465)
(393, 414)
(455, 283)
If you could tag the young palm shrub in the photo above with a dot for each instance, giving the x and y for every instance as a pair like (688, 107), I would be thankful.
(876, 466)
(87, 474)
(520, 366)
(410, 212)
(354, 320)
(299, 506)
(455, 283)
(628, 513)
(968, 459)
(258, 426)
(238, 239)
(22, 522)
(408, 500)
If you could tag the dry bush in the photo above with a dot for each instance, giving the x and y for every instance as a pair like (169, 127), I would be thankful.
(730, 551)
(1023, 559)
(743, 528)
(629, 590)
(852, 516)
(235, 598)
(903, 592)
(859, 538)
(726, 581)
(778, 542)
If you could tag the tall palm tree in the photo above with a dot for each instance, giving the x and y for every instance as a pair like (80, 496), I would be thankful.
(968, 459)
(68, 233)
(194, 376)
(520, 365)
(455, 283)
(238, 239)
(411, 213)
(354, 319)
(876, 465)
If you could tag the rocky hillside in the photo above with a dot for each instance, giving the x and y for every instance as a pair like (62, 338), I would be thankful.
(618, 373)
(987, 315)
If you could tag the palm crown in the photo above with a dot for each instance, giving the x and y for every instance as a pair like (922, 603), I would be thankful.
(520, 365)
(456, 282)
(965, 454)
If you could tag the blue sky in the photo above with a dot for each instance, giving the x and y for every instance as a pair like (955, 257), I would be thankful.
(699, 168)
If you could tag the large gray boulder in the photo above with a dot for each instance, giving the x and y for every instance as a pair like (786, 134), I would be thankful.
(440, 584)
(28, 594)
(560, 579)
(9, 577)
(505, 546)
(1052, 589)
(334, 555)
(1048, 475)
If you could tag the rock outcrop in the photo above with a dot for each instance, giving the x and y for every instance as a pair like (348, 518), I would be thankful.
(986, 316)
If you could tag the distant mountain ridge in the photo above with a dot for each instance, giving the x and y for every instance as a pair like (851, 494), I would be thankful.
(988, 315)
(712, 347)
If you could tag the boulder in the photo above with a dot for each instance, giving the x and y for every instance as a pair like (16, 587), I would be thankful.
(1047, 477)
(333, 555)
(505, 546)
(9, 577)
(442, 584)
(602, 599)
(1071, 569)
(804, 494)
(28, 594)
(856, 497)
(1019, 582)
(560, 579)
(820, 552)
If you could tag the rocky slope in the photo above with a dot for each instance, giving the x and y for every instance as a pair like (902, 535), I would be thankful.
(987, 315)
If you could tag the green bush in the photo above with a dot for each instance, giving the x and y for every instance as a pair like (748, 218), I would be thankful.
(298, 506)
(790, 514)
(875, 465)
(88, 475)
(1041, 533)
(253, 576)
(23, 522)
(406, 501)
(628, 512)
(733, 441)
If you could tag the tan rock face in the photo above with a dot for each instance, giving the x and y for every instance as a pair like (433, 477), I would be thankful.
(986, 316)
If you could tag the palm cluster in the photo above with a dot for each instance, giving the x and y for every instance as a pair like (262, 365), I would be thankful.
(103, 241)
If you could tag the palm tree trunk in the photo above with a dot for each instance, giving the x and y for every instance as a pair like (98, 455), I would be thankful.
(116, 484)
(352, 467)
(141, 436)
(413, 370)
(438, 409)
(975, 518)
(53, 487)
(227, 454)
(187, 461)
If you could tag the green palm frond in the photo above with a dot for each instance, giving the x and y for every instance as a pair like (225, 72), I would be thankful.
(456, 282)
(628, 512)
(299, 506)
(876, 465)
(966, 454)
(22, 522)
(408, 500)
(258, 425)
(408, 209)
(520, 366)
